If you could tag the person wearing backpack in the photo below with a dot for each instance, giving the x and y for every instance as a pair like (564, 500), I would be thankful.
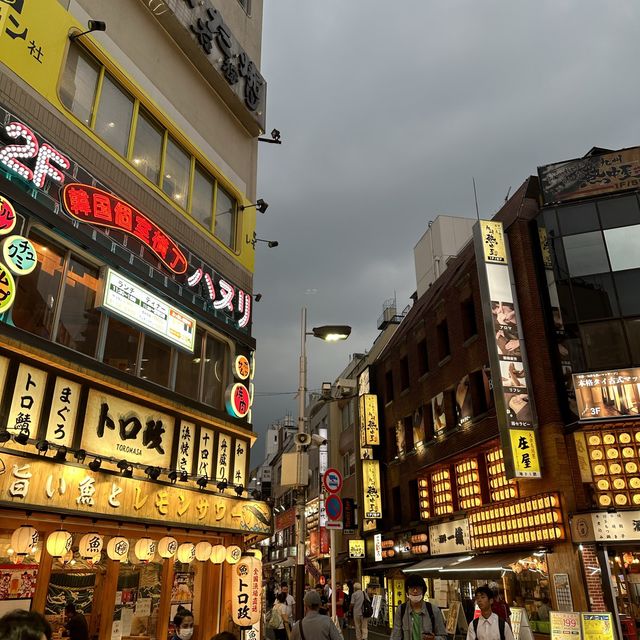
(359, 601)
(279, 618)
(488, 626)
(417, 619)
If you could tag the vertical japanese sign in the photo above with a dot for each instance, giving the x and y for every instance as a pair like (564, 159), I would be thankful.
(246, 591)
(377, 547)
(509, 370)
(205, 454)
(63, 412)
(240, 462)
(186, 446)
(27, 402)
(369, 429)
(371, 489)
(222, 457)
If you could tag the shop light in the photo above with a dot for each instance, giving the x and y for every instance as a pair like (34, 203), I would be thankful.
(222, 485)
(184, 476)
(61, 454)
(22, 437)
(80, 455)
(126, 469)
(42, 446)
(167, 547)
(153, 472)
(145, 549)
(95, 464)
(218, 554)
(239, 489)
(59, 543)
(90, 545)
(203, 551)
(24, 539)
(186, 552)
(173, 476)
(202, 482)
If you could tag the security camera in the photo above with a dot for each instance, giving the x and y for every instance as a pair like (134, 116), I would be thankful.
(319, 441)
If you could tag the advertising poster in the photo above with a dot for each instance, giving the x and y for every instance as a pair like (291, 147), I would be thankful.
(464, 406)
(597, 626)
(439, 416)
(418, 427)
(608, 394)
(565, 625)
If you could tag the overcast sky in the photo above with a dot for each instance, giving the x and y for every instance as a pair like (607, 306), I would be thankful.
(387, 110)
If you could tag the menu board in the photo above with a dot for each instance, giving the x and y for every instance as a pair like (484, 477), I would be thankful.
(597, 626)
(565, 625)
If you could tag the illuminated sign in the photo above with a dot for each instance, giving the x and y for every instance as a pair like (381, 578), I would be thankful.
(449, 537)
(237, 400)
(371, 489)
(7, 216)
(246, 591)
(377, 547)
(130, 301)
(356, 549)
(241, 367)
(493, 244)
(7, 289)
(19, 255)
(369, 431)
(608, 394)
(97, 207)
(524, 451)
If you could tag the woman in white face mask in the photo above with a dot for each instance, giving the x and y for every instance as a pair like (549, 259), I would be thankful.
(183, 622)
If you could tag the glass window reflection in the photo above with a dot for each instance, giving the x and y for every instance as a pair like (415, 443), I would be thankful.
(623, 245)
(177, 167)
(202, 199)
(156, 361)
(147, 147)
(79, 83)
(594, 297)
(113, 120)
(586, 254)
(214, 363)
(225, 229)
(121, 347)
(605, 345)
(188, 369)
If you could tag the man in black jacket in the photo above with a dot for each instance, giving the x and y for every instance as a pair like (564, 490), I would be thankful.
(76, 627)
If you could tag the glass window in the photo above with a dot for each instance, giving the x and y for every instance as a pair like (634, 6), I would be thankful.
(177, 166)
(202, 198)
(213, 372)
(578, 218)
(604, 345)
(549, 221)
(225, 229)
(79, 319)
(121, 347)
(633, 333)
(627, 286)
(619, 212)
(595, 297)
(586, 254)
(188, 369)
(113, 121)
(79, 82)
(37, 294)
(147, 147)
(624, 247)
(156, 361)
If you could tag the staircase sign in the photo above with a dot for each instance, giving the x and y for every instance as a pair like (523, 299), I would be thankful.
(332, 481)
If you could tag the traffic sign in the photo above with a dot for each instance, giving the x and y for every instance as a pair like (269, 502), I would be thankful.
(333, 506)
(332, 481)
(333, 524)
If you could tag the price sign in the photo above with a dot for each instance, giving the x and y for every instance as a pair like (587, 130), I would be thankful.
(565, 625)
(332, 481)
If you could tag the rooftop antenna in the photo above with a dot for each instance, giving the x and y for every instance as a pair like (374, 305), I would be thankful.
(475, 195)
(507, 196)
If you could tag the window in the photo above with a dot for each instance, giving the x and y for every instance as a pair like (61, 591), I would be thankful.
(225, 227)
(347, 417)
(414, 500)
(214, 366)
(404, 373)
(79, 319)
(627, 287)
(604, 345)
(114, 115)
(79, 83)
(177, 167)
(442, 332)
(633, 334)
(423, 357)
(594, 297)
(96, 98)
(37, 294)
(469, 324)
(624, 247)
(121, 347)
(409, 444)
(578, 218)
(619, 212)
(348, 464)
(156, 361)
(396, 497)
(586, 254)
(147, 147)
(188, 369)
(388, 385)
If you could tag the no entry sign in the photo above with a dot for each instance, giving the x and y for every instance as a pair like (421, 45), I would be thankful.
(332, 481)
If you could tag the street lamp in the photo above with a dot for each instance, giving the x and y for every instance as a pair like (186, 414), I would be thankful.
(329, 333)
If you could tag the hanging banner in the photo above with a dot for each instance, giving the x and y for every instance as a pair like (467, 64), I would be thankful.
(369, 426)
(64, 409)
(240, 462)
(371, 488)
(507, 355)
(186, 446)
(222, 465)
(205, 454)
(246, 591)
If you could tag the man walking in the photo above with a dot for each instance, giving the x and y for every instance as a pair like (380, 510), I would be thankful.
(417, 619)
(489, 626)
(284, 588)
(314, 626)
(360, 623)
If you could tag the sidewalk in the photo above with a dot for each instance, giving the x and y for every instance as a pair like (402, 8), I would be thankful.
(375, 633)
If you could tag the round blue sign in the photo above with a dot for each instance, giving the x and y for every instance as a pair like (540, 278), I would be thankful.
(333, 507)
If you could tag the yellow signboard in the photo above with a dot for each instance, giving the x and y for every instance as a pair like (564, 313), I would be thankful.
(32, 483)
(493, 244)
(524, 449)
(371, 488)
(369, 428)
(356, 549)
(597, 626)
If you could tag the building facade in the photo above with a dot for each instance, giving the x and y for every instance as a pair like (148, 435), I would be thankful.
(127, 181)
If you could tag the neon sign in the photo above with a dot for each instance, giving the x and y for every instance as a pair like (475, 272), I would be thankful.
(95, 206)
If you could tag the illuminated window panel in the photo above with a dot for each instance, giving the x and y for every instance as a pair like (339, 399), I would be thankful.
(423, 495)
(468, 484)
(532, 520)
(614, 456)
(442, 493)
(499, 487)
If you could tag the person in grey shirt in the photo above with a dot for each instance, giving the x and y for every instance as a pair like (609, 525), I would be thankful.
(314, 626)
(417, 619)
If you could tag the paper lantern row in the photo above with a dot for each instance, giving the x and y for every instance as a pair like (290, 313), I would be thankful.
(59, 544)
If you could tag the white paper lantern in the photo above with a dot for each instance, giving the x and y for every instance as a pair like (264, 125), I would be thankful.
(246, 593)
(186, 552)
(118, 548)
(24, 539)
(203, 551)
(234, 553)
(167, 547)
(218, 554)
(145, 549)
(90, 545)
(67, 558)
(59, 543)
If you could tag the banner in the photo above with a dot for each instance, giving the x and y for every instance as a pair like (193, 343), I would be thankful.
(371, 488)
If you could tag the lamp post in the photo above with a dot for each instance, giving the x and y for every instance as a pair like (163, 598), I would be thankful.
(329, 333)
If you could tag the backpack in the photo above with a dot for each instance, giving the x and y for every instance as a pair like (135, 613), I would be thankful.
(403, 608)
(274, 619)
(501, 623)
(367, 608)
(346, 602)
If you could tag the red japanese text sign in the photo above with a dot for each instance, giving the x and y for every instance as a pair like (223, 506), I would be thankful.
(98, 207)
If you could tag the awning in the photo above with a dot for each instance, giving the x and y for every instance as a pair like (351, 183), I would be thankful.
(488, 563)
(435, 564)
(381, 566)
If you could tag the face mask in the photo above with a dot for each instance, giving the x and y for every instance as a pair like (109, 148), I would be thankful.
(416, 598)
(185, 634)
